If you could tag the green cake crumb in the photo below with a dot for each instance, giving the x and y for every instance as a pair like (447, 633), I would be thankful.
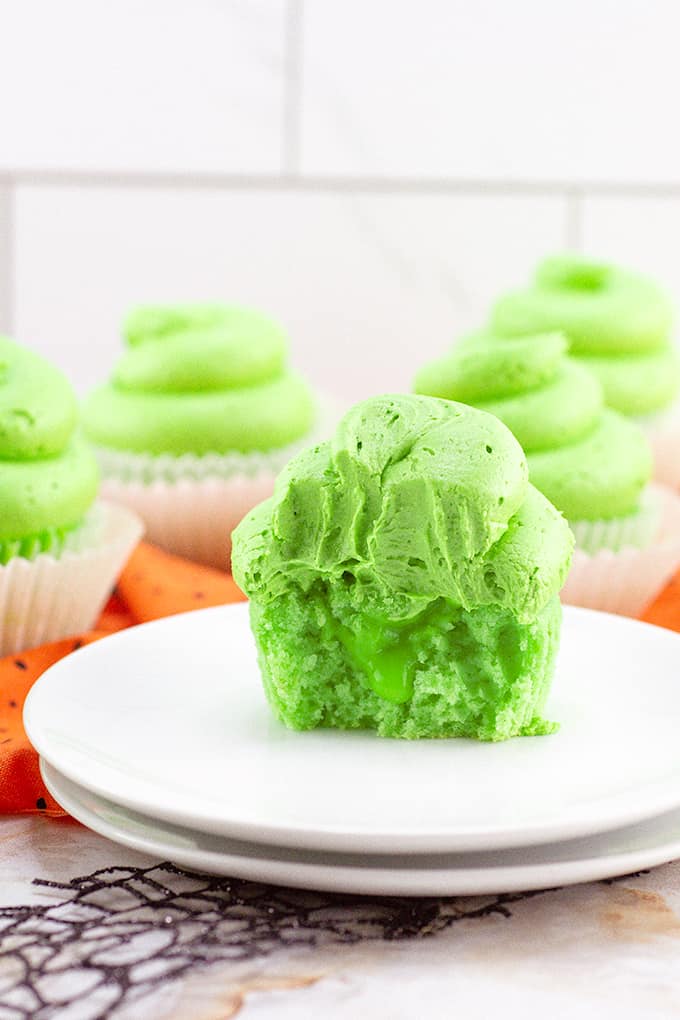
(404, 578)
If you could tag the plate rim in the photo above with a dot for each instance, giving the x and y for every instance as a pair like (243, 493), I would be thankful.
(657, 800)
(382, 881)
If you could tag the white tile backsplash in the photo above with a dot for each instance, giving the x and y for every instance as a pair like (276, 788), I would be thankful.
(162, 85)
(529, 90)
(368, 285)
(643, 232)
(373, 173)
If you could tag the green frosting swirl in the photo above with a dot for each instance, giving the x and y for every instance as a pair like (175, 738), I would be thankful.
(591, 463)
(200, 379)
(618, 324)
(48, 476)
(414, 499)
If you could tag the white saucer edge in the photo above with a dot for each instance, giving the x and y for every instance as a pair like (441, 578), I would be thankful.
(368, 881)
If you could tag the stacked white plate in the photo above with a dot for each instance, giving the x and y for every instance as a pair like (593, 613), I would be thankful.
(160, 738)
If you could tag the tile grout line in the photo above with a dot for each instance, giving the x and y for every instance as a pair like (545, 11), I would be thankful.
(338, 184)
(7, 235)
(574, 220)
(292, 87)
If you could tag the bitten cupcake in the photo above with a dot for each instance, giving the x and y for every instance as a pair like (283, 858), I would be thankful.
(60, 551)
(199, 416)
(404, 578)
(619, 325)
(593, 464)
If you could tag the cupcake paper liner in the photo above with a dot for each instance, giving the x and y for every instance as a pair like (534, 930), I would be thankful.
(626, 581)
(191, 518)
(663, 432)
(55, 541)
(637, 529)
(191, 504)
(52, 597)
(147, 468)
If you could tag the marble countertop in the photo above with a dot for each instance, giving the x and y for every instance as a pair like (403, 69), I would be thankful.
(90, 930)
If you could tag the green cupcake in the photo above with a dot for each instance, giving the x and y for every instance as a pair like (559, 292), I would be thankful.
(618, 324)
(592, 463)
(200, 414)
(48, 474)
(404, 577)
(197, 380)
(60, 552)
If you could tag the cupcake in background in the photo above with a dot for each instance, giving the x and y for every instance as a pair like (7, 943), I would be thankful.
(619, 325)
(199, 416)
(60, 549)
(592, 463)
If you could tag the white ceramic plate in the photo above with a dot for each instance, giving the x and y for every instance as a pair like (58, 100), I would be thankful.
(169, 719)
(500, 871)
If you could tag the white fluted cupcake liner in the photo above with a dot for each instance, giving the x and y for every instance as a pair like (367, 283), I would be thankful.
(637, 529)
(52, 597)
(147, 468)
(663, 432)
(191, 504)
(626, 581)
(190, 518)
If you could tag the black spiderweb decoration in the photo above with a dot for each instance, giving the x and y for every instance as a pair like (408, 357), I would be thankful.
(118, 933)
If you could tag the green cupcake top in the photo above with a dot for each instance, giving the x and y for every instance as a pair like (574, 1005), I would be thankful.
(590, 462)
(601, 308)
(414, 498)
(48, 476)
(618, 324)
(200, 379)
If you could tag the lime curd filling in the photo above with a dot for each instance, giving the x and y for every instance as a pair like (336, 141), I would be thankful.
(385, 651)
(388, 652)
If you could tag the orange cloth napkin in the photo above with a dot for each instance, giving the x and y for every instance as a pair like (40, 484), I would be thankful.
(153, 584)
(665, 610)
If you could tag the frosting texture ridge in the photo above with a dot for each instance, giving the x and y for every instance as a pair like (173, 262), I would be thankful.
(48, 476)
(413, 499)
(591, 463)
(200, 379)
(618, 323)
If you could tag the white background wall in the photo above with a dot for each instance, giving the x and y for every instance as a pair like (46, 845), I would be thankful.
(372, 172)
